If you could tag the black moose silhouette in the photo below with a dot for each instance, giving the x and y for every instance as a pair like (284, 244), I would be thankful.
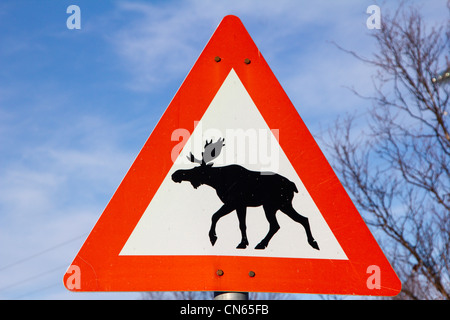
(239, 188)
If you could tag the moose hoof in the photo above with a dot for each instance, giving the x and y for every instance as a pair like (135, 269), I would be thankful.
(242, 245)
(314, 244)
(261, 246)
(212, 238)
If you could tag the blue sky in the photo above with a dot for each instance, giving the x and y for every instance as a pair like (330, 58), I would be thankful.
(76, 106)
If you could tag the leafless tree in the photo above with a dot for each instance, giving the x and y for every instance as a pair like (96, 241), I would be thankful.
(396, 167)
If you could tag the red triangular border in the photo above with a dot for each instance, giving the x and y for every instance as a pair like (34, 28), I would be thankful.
(101, 267)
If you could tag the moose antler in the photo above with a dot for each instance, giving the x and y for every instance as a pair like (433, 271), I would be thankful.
(193, 159)
(212, 151)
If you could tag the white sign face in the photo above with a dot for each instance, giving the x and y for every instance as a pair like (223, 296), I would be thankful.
(178, 219)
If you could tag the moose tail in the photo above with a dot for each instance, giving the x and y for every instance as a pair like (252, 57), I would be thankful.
(293, 186)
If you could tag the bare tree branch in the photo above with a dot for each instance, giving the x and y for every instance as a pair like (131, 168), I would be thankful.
(398, 173)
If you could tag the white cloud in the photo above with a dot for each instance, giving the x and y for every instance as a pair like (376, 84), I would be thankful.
(55, 198)
(160, 43)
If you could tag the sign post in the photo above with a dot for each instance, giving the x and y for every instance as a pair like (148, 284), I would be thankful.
(230, 193)
(230, 295)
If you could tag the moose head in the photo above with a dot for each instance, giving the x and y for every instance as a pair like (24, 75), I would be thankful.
(201, 174)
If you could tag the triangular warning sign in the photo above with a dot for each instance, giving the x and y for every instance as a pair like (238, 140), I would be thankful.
(231, 193)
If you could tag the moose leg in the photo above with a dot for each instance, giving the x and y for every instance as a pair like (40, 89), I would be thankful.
(294, 215)
(224, 210)
(241, 213)
(274, 226)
